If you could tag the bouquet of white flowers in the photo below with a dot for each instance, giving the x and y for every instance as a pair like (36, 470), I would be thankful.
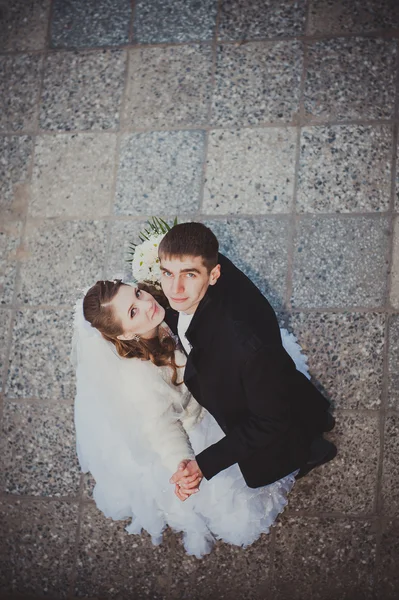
(145, 261)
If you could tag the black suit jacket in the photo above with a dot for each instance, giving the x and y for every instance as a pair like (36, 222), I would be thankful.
(239, 371)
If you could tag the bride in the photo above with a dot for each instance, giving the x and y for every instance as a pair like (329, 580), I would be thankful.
(136, 422)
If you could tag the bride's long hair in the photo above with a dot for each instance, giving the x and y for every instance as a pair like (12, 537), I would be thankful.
(98, 311)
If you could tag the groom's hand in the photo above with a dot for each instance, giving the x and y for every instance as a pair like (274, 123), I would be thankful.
(187, 479)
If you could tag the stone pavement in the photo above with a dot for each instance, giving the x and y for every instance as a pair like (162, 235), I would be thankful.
(274, 121)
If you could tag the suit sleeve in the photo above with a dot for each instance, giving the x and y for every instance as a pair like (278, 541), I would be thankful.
(262, 378)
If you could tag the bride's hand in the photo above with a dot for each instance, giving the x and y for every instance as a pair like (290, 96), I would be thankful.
(187, 479)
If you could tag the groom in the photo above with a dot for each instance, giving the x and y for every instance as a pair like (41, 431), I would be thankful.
(272, 416)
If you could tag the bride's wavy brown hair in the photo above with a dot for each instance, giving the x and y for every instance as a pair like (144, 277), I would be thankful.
(98, 311)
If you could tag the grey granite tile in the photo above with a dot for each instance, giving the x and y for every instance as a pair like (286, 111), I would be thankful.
(343, 16)
(82, 90)
(393, 362)
(340, 262)
(228, 572)
(10, 251)
(24, 24)
(160, 173)
(387, 580)
(250, 171)
(61, 259)
(38, 456)
(19, 91)
(158, 21)
(390, 477)
(39, 357)
(345, 354)
(88, 486)
(325, 559)
(348, 483)
(394, 292)
(5, 322)
(80, 23)
(345, 169)
(122, 234)
(350, 78)
(259, 248)
(257, 83)
(38, 540)
(73, 175)
(168, 87)
(254, 19)
(15, 152)
(113, 564)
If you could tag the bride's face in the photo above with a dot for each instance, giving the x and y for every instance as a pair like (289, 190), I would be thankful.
(138, 312)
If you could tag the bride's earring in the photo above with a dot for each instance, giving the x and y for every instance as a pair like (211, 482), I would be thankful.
(136, 337)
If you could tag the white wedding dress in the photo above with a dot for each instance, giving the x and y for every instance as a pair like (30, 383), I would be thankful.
(133, 427)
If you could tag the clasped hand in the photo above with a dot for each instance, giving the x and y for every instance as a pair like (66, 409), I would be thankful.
(186, 479)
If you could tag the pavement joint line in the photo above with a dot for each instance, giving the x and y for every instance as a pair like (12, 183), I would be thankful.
(209, 112)
(112, 201)
(306, 122)
(386, 34)
(384, 408)
(293, 221)
(209, 216)
(73, 576)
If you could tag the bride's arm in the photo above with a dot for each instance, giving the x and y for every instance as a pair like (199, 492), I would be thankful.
(161, 425)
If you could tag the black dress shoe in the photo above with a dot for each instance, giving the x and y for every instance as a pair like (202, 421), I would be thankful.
(330, 423)
(321, 452)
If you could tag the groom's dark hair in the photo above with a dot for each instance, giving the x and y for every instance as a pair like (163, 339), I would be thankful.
(191, 239)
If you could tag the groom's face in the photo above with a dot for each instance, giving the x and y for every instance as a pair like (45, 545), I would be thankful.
(185, 281)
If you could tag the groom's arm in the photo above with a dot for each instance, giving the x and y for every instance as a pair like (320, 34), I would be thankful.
(263, 377)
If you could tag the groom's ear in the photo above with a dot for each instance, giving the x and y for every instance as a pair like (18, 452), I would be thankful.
(214, 275)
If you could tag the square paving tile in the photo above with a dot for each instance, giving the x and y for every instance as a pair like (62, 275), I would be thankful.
(10, 233)
(79, 23)
(250, 171)
(15, 152)
(350, 78)
(352, 16)
(158, 21)
(253, 19)
(24, 25)
(324, 559)
(345, 169)
(113, 564)
(62, 258)
(73, 175)
(387, 582)
(168, 87)
(38, 540)
(160, 173)
(345, 355)
(348, 483)
(38, 455)
(393, 362)
(19, 91)
(394, 295)
(82, 90)
(340, 262)
(5, 322)
(122, 234)
(265, 261)
(390, 478)
(39, 359)
(228, 572)
(257, 83)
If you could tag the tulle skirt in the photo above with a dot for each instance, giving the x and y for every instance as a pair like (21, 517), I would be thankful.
(225, 508)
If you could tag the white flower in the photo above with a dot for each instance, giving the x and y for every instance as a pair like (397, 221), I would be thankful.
(145, 264)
